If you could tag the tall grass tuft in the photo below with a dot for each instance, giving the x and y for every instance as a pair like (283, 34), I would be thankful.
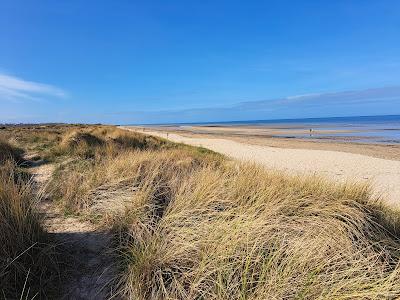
(9, 152)
(81, 183)
(28, 265)
(80, 143)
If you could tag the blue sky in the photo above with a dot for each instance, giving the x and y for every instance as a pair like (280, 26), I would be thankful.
(183, 61)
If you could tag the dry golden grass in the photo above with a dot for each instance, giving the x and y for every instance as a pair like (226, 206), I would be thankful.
(196, 226)
(79, 143)
(190, 224)
(113, 178)
(113, 160)
(240, 232)
(42, 140)
(28, 266)
(103, 141)
(9, 152)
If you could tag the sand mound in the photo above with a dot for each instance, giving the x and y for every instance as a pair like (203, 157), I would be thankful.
(77, 139)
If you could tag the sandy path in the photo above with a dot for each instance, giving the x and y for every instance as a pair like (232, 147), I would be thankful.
(382, 174)
(90, 270)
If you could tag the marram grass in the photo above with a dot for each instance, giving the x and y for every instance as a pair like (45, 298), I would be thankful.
(191, 224)
(198, 226)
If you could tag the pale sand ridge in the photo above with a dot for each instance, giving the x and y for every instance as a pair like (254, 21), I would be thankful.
(382, 174)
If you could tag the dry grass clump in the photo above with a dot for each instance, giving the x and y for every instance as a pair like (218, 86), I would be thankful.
(104, 141)
(114, 179)
(40, 140)
(128, 140)
(34, 138)
(27, 259)
(239, 232)
(111, 163)
(80, 143)
(9, 152)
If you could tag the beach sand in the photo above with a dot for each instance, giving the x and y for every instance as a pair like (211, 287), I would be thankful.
(342, 163)
(266, 136)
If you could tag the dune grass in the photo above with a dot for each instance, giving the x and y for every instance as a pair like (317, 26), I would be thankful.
(102, 141)
(9, 152)
(28, 261)
(191, 224)
(111, 177)
(42, 141)
(239, 232)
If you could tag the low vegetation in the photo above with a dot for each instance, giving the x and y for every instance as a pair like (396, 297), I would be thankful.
(191, 224)
(36, 139)
(224, 235)
(9, 152)
(28, 266)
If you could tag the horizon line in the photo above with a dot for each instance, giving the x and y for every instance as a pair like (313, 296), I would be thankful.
(261, 120)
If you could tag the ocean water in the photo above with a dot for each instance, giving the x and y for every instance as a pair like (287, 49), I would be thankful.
(363, 129)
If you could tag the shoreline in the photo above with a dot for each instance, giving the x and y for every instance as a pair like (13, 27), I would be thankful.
(377, 150)
(341, 165)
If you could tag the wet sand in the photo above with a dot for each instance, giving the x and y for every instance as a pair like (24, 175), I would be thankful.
(377, 165)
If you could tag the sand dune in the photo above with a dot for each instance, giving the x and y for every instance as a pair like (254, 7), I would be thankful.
(382, 174)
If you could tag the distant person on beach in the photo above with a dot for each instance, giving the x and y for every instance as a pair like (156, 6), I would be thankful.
(311, 131)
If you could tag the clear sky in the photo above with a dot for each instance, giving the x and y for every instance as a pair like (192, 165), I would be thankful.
(181, 61)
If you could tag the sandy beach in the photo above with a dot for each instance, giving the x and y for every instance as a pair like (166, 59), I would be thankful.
(355, 163)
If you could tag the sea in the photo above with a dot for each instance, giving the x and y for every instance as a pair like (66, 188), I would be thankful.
(383, 129)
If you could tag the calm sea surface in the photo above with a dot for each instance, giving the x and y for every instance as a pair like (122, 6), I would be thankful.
(365, 129)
